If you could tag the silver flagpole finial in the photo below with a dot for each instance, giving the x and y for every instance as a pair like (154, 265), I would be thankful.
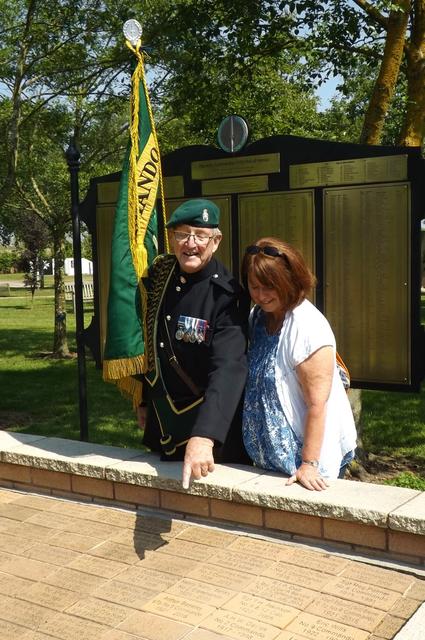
(132, 31)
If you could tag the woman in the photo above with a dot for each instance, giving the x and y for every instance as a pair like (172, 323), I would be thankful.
(297, 417)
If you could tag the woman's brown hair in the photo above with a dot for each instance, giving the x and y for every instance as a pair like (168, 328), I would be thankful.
(286, 272)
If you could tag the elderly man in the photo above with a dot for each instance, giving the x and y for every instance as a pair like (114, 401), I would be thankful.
(196, 345)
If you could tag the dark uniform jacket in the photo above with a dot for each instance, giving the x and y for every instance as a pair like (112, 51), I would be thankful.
(195, 319)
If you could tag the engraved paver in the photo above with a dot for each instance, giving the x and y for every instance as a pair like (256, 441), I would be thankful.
(29, 530)
(176, 608)
(102, 611)
(263, 610)
(128, 595)
(282, 592)
(389, 627)
(201, 592)
(154, 627)
(316, 628)
(168, 563)
(204, 634)
(351, 613)
(97, 566)
(55, 555)
(68, 627)
(379, 577)
(16, 512)
(261, 548)
(298, 575)
(13, 585)
(12, 631)
(14, 544)
(206, 536)
(371, 596)
(74, 580)
(239, 627)
(162, 526)
(74, 541)
(49, 596)
(23, 613)
(240, 561)
(115, 551)
(139, 576)
(404, 608)
(312, 560)
(139, 539)
(220, 576)
(25, 568)
(187, 549)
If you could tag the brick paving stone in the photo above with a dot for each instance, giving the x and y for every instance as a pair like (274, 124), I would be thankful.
(74, 580)
(405, 608)
(58, 521)
(370, 595)
(76, 509)
(16, 512)
(23, 613)
(316, 628)
(282, 592)
(417, 590)
(129, 595)
(35, 502)
(97, 566)
(220, 576)
(67, 627)
(273, 613)
(5, 523)
(24, 567)
(152, 627)
(179, 609)
(168, 563)
(322, 562)
(92, 528)
(115, 634)
(114, 551)
(49, 596)
(118, 518)
(141, 576)
(55, 555)
(204, 634)
(10, 631)
(201, 592)
(210, 537)
(187, 549)
(255, 546)
(301, 576)
(141, 540)
(13, 585)
(74, 541)
(248, 563)
(351, 613)
(163, 526)
(389, 627)
(30, 530)
(378, 576)
(102, 611)
(239, 627)
(14, 544)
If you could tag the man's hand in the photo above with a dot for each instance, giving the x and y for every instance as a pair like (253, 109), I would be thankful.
(309, 478)
(198, 459)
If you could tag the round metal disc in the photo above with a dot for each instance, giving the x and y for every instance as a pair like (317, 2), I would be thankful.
(232, 133)
(132, 31)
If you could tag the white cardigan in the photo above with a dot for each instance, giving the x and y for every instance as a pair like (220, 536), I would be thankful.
(304, 331)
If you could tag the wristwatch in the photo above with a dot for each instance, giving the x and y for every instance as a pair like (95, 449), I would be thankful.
(312, 463)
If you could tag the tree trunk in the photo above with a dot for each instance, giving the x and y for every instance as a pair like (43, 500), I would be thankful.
(413, 129)
(383, 90)
(60, 341)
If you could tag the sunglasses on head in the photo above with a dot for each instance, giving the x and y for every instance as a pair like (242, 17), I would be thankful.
(267, 250)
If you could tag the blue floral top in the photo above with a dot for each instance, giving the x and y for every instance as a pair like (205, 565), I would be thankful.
(268, 437)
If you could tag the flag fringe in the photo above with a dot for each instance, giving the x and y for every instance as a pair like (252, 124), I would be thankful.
(131, 389)
(123, 367)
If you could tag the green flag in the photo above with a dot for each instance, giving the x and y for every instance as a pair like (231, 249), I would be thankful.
(134, 242)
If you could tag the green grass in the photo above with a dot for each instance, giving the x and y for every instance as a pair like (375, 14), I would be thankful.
(40, 395)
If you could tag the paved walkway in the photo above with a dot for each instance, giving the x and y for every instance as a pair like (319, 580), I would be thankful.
(78, 571)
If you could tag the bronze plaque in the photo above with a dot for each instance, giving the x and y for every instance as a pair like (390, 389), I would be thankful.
(235, 185)
(105, 215)
(107, 192)
(367, 279)
(355, 171)
(173, 186)
(286, 215)
(224, 251)
(240, 166)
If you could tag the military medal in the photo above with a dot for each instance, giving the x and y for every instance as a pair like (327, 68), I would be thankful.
(191, 329)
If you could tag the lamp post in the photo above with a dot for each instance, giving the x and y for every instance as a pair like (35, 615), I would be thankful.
(73, 159)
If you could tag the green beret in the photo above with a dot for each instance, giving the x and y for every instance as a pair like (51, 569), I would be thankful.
(196, 213)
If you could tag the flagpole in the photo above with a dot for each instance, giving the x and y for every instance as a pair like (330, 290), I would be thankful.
(73, 159)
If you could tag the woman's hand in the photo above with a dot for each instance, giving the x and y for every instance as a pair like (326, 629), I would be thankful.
(141, 416)
(309, 477)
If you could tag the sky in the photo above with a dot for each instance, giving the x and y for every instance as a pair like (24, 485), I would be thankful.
(327, 91)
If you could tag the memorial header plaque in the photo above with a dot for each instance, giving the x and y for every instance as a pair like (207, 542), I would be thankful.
(235, 185)
(344, 172)
(367, 276)
(236, 166)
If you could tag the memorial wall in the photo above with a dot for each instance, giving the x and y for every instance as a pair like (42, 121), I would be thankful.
(352, 210)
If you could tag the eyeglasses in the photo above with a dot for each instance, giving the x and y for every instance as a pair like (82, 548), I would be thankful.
(198, 238)
(253, 249)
